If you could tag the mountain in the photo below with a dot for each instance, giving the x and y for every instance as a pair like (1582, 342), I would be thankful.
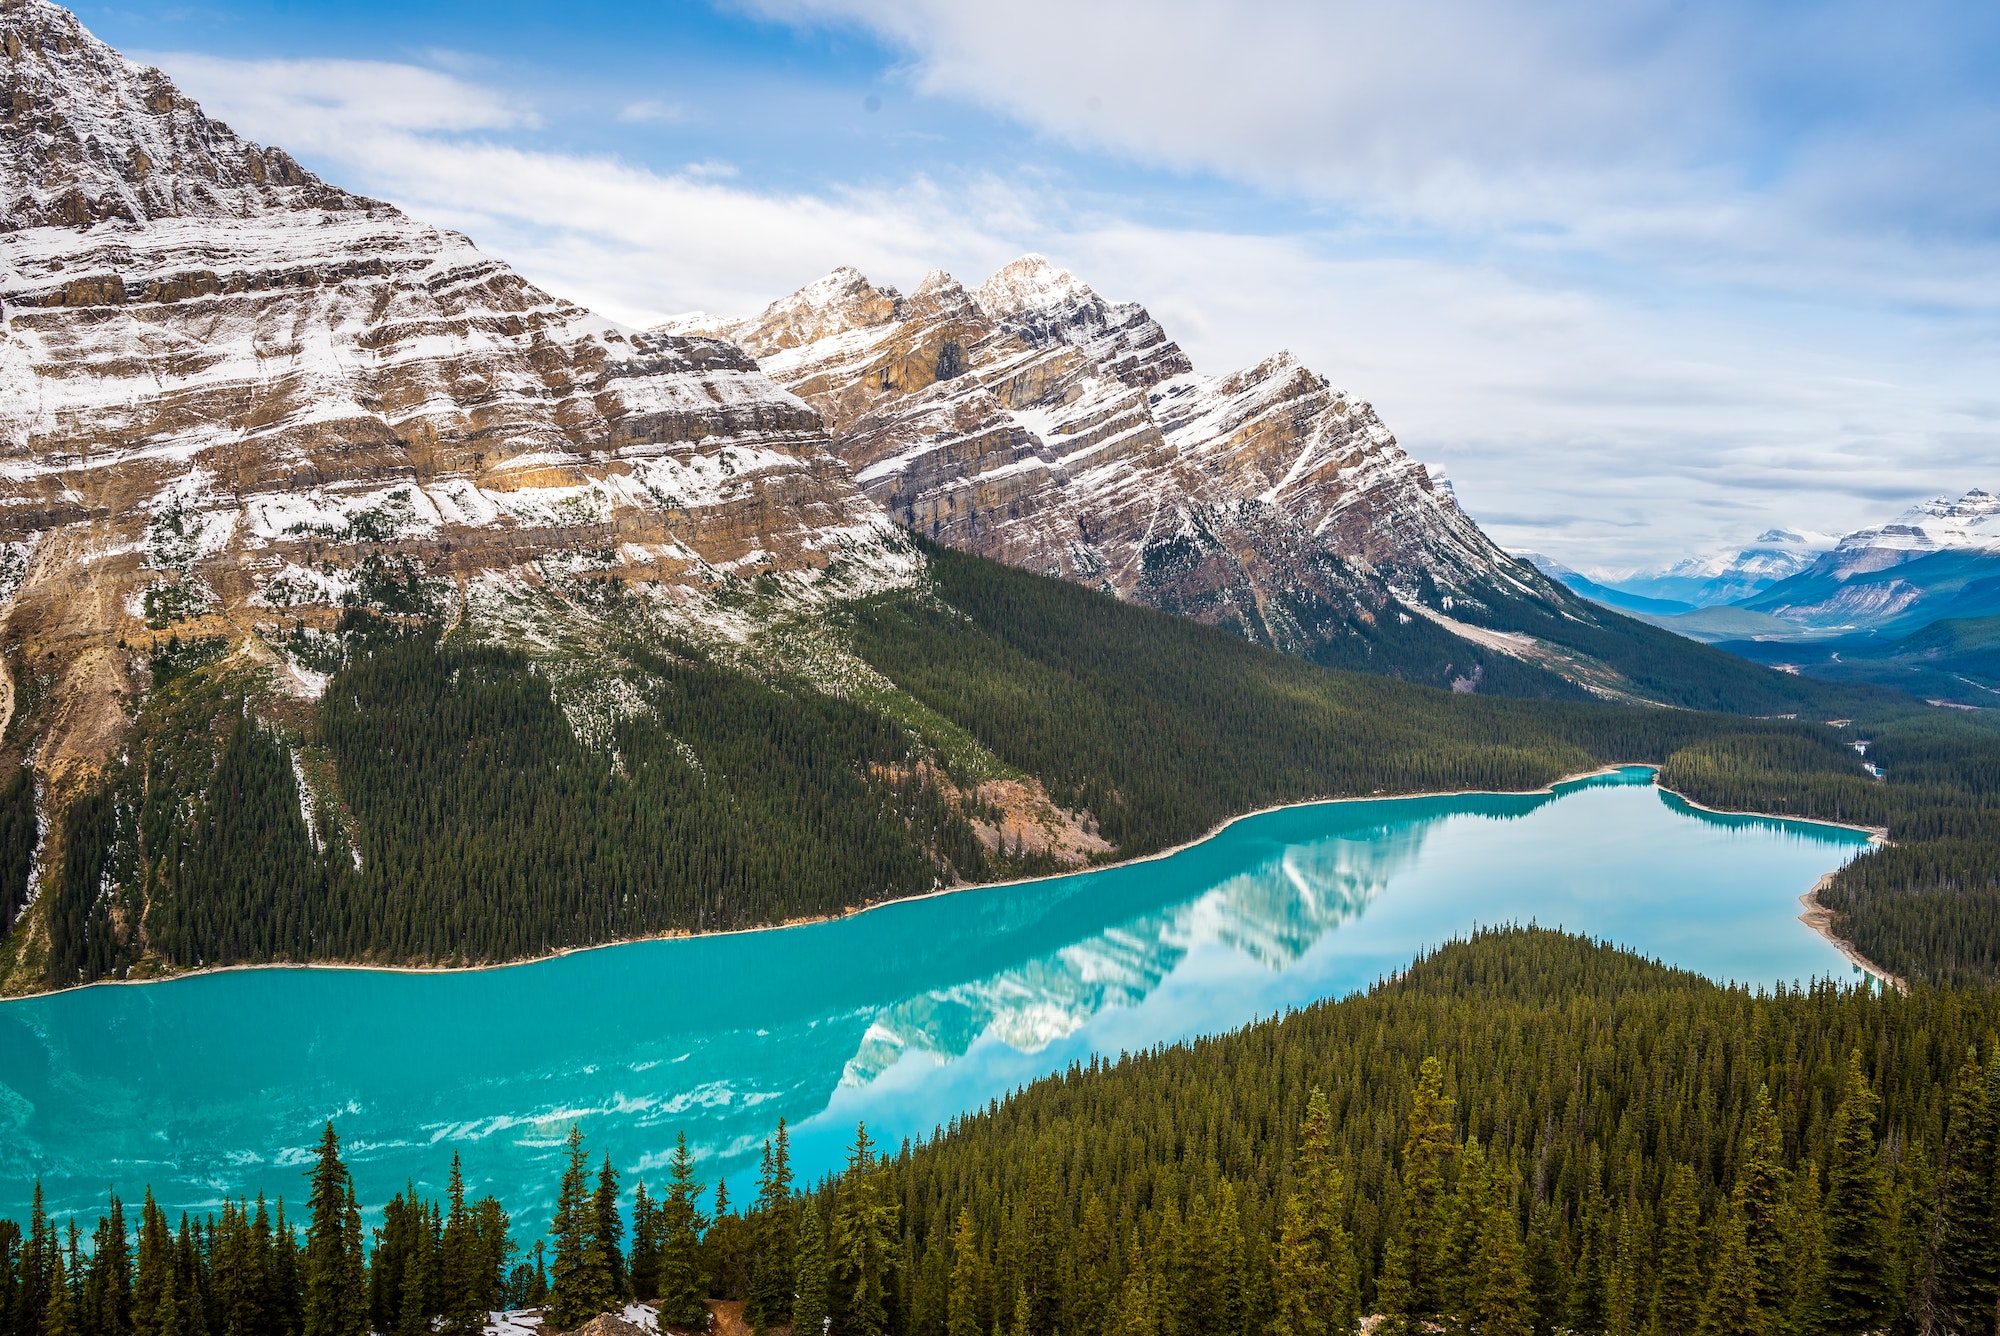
(1724, 577)
(1032, 421)
(1578, 583)
(238, 396)
(1938, 559)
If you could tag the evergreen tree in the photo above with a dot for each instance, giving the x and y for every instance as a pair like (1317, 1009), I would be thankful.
(771, 1278)
(1589, 1289)
(962, 1309)
(1968, 1260)
(682, 1284)
(1761, 1187)
(108, 1290)
(580, 1277)
(155, 1265)
(1314, 1267)
(1429, 1146)
(1091, 1292)
(1504, 1306)
(1677, 1298)
(1731, 1308)
(809, 1309)
(58, 1312)
(1625, 1295)
(863, 1253)
(645, 1265)
(1547, 1273)
(1039, 1240)
(1803, 1292)
(464, 1266)
(1856, 1297)
(608, 1228)
(335, 1299)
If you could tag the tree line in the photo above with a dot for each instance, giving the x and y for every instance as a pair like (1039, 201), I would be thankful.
(1524, 1133)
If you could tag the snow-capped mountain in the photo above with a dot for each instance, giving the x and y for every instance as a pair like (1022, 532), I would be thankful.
(1938, 559)
(1730, 575)
(1033, 421)
(232, 394)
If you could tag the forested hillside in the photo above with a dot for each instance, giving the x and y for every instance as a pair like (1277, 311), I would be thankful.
(1524, 1133)
(452, 799)
(1927, 906)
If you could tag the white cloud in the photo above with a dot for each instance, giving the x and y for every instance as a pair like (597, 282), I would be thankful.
(1606, 420)
(649, 110)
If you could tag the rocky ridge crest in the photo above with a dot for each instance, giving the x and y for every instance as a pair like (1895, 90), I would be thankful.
(1032, 421)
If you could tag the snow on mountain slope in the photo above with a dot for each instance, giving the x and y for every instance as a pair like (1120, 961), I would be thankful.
(1725, 577)
(235, 399)
(1033, 421)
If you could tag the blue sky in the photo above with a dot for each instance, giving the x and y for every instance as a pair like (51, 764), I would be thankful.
(1644, 278)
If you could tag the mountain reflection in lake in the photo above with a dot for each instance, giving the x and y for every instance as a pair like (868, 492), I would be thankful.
(906, 1016)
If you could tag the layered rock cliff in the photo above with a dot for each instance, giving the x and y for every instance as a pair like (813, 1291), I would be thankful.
(1033, 421)
(232, 394)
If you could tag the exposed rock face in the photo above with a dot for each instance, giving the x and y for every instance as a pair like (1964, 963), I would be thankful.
(232, 393)
(1032, 421)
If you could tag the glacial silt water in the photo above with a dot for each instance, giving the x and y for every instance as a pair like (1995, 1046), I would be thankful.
(904, 1016)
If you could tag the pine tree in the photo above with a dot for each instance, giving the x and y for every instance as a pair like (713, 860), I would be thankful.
(1547, 1274)
(1138, 1301)
(108, 1289)
(608, 1227)
(155, 1269)
(1038, 1232)
(1590, 1285)
(1504, 1305)
(1762, 1186)
(809, 1309)
(1856, 1298)
(682, 1285)
(863, 1252)
(1804, 1233)
(645, 1265)
(771, 1275)
(1731, 1308)
(335, 1297)
(463, 1266)
(58, 1314)
(1429, 1146)
(962, 1308)
(1677, 1299)
(1314, 1264)
(1968, 1261)
(1090, 1291)
(579, 1279)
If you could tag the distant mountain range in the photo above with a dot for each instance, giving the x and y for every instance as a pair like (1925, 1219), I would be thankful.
(1910, 603)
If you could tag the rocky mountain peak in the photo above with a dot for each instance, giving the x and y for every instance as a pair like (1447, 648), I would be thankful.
(1035, 422)
(841, 301)
(87, 135)
(1031, 283)
(940, 296)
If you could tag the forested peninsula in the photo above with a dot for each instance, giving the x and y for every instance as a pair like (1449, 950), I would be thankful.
(1523, 1133)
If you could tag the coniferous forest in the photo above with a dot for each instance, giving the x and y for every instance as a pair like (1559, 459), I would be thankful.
(437, 805)
(1524, 1133)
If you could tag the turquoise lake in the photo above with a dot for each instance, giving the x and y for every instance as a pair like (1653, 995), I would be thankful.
(903, 1016)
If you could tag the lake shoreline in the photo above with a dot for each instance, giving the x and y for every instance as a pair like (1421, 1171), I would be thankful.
(1814, 914)
(810, 920)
